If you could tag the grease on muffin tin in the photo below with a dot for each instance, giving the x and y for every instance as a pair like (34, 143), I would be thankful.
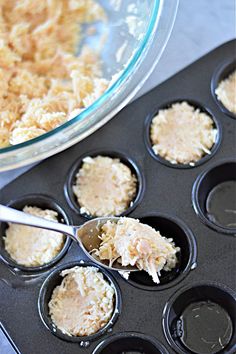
(221, 204)
(204, 327)
(214, 196)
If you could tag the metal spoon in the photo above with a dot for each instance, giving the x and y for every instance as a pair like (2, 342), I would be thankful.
(85, 235)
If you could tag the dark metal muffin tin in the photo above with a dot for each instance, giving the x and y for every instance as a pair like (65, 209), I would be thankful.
(128, 161)
(207, 254)
(55, 279)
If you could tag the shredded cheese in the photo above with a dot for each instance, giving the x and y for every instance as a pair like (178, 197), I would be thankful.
(136, 244)
(104, 186)
(31, 246)
(83, 303)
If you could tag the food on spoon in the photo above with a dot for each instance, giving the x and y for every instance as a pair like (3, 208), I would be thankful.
(132, 243)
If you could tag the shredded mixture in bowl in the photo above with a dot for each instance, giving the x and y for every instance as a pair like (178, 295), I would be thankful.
(104, 186)
(43, 81)
(132, 243)
(182, 134)
(30, 246)
(226, 92)
(83, 303)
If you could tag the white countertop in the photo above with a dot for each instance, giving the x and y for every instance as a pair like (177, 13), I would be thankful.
(200, 26)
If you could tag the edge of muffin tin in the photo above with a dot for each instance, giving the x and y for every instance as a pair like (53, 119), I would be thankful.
(167, 317)
(168, 104)
(42, 201)
(223, 70)
(54, 279)
(195, 197)
(188, 237)
(134, 336)
(124, 158)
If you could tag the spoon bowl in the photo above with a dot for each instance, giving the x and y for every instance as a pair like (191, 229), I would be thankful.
(86, 235)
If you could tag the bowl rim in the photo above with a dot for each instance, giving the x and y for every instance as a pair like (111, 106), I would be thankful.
(107, 94)
(137, 71)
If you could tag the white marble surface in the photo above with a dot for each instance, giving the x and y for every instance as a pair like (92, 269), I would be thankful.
(200, 26)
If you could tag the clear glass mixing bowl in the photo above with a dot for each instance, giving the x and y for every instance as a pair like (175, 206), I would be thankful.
(134, 36)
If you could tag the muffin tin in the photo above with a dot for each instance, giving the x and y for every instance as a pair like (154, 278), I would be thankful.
(169, 197)
(71, 180)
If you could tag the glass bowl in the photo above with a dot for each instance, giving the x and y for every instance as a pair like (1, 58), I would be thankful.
(135, 36)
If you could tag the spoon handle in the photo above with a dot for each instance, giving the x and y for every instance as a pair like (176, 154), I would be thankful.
(11, 215)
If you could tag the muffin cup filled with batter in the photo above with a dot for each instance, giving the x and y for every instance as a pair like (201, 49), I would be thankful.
(182, 134)
(130, 342)
(10, 246)
(171, 228)
(104, 183)
(214, 196)
(223, 87)
(67, 284)
(201, 319)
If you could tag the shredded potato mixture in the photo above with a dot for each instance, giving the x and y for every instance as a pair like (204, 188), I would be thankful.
(182, 134)
(83, 303)
(43, 82)
(226, 92)
(30, 246)
(104, 186)
(136, 244)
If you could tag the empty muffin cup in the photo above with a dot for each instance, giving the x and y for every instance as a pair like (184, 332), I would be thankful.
(43, 202)
(125, 160)
(207, 153)
(222, 72)
(172, 228)
(130, 343)
(54, 280)
(201, 319)
(214, 197)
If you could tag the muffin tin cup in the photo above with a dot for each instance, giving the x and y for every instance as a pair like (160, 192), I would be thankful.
(221, 73)
(223, 171)
(130, 342)
(195, 104)
(44, 202)
(202, 291)
(54, 279)
(126, 160)
(170, 227)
